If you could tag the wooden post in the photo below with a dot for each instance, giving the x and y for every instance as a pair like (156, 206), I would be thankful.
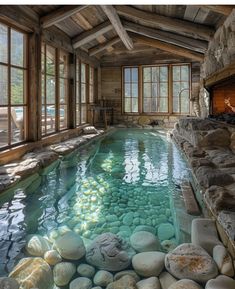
(34, 88)
(72, 92)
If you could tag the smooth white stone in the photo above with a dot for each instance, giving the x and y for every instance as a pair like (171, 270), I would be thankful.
(149, 283)
(221, 282)
(223, 260)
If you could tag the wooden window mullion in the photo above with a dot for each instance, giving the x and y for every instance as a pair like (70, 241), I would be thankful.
(57, 90)
(9, 86)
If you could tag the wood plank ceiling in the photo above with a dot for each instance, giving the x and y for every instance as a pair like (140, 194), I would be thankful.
(108, 31)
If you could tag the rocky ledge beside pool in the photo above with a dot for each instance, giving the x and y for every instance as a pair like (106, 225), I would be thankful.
(210, 149)
(74, 262)
(37, 163)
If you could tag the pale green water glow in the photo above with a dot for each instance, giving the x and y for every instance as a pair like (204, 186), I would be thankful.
(129, 178)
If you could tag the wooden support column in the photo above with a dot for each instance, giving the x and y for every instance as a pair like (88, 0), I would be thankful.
(34, 88)
(72, 92)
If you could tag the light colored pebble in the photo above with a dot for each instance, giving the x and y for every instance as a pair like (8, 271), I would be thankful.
(86, 270)
(185, 284)
(103, 278)
(81, 283)
(166, 280)
(149, 283)
(223, 260)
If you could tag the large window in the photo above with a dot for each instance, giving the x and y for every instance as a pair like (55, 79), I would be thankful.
(181, 88)
(131, 89)
(64, 89)
(13, 85)
(164, 89)
(83, 93)
(155, 89)
(55, 88)
(91, 84)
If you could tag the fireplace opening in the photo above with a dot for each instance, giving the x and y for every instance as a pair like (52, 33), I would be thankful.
(222, 101)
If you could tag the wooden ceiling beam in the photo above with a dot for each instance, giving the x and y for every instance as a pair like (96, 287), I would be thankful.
(91, 34)
(111, 13)
(99, 48)
(168, 47)
(222, 9)
(168, 37)
(60, 14)
(179, 26)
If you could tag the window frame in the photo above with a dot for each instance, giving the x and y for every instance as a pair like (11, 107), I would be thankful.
(170, 89)
(123, 89)
(25, 69)
(57, 77)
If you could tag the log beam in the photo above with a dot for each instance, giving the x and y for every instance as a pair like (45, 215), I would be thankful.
(168, 47)
(183, 27)
(60, 14)
(111, 13)
(102, 47)
(91, 34)
(222, 9)
(168, 37)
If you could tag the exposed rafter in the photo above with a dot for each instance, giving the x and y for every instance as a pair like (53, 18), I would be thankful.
(183, 27)
(222, 9)
(60, 14)
(168, 37)
(167, 47)
(102, 47)
(111, 13)
(91, 34)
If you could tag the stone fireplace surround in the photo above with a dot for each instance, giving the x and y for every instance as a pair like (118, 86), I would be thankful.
(210, 149)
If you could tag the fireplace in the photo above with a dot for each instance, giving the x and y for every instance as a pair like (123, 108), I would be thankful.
(222, 101)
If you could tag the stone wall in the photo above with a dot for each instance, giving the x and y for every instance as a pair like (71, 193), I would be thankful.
(220, 53)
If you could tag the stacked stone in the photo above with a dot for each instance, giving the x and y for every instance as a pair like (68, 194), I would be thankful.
(109, 262)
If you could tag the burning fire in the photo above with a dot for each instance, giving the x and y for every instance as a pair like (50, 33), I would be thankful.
(228, 103)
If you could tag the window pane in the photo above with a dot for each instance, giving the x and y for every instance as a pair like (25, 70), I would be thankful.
(50, 90)
(154, 104)
(78, 114)
(50, 121)
(77, 93)
(135, 90)
(176, 73)
(147, 105)
(63, 64)
(43, 88)
(63, 90)
(17, 123)
(3, 85)
(17, 86)
(3, 43)
(154, 90)
(83, 93)
(43, 120)
(43, 58)
(147, 90)
(83, 114)
(175, 104)
(163, 104)
(164, 73)
(127, 104)
(127, 74)
(83, 73)
(17, 48)
(127, 90)
(185, 101)
(147, 74)
(3, 126)
(184, 73)
(164, 89)
(155, 74)
(134, 74)
(63, 116)
(176, 88)
(184, 85)
(50, 60)
(91, 94)
(134, 104)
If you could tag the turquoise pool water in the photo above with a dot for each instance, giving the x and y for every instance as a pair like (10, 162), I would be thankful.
(127, 179)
